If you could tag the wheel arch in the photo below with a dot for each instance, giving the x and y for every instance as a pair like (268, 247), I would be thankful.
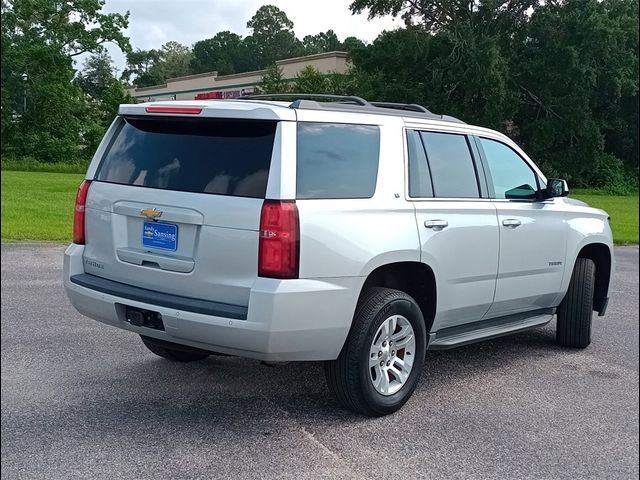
(602, 257)
(416, 279)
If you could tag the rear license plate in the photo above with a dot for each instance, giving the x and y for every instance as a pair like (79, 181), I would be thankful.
(160, 235)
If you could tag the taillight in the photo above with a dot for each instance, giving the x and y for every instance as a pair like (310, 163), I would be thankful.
(78, 215)
(279, 245)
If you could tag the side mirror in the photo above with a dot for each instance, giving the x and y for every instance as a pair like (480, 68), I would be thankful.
(556, 187)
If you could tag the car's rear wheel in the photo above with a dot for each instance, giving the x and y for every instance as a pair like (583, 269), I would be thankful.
(381, 361)
(575, 313)
(173, 351)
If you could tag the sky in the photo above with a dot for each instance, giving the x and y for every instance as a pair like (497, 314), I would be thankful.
(153, 22)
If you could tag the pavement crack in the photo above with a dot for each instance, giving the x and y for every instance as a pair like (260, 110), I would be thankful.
(334, 455)
(311, 437)
(342, 463)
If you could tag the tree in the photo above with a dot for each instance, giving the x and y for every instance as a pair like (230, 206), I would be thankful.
(352, 43)
(174, 60)
(223, 53)
(453, 55)
(273, 81)
(570, 98)
(342, 84)
(559, 76)
(153, 67)
(96, 75)
(71, 27)
(272, 36)
(310, 80)
(142, 68)
(105, 92)
(321, 42)
(39, 40)
(447, 15)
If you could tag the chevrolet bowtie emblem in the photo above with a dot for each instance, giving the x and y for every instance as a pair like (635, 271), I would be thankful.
(151, 213)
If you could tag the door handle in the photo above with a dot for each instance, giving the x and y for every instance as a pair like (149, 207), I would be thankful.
(436, 224)
(511, 223)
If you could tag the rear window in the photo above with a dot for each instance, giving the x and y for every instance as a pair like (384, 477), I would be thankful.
(224, 157)
(337, 160)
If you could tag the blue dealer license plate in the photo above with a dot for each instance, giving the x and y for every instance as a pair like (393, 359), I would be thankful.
(160, 235)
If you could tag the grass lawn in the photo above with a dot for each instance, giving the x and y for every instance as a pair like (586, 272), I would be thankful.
(38, 206)
(622, 209)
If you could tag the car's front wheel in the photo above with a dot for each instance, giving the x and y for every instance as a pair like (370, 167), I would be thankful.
(573, 327)
(381, 361)
(173, 351)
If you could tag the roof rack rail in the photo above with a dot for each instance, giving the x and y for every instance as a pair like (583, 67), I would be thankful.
(413, 107)
(307, 96)
(352, 104)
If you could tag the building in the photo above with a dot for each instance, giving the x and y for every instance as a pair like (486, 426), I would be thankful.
(210, 85)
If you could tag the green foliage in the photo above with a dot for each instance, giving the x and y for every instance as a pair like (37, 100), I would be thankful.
(141, 68)
(273, 81)
(225, 53)
(572, 101)
(45, 114)
(105, 94)
(342, 84)
(352, 44)
(272, 36)
(113, 97)
(268, 22)
(449, 15)
(70, 27)
(28, 164)
(321, 42)
(310, 80)
(154, 67)
(96, 75)
(560, 77)
(174, 60)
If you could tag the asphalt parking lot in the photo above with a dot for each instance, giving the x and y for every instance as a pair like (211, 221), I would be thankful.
(83, 400)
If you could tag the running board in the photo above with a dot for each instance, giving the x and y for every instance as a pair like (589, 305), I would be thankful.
(487, 329)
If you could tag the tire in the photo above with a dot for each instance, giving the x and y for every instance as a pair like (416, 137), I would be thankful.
(573, 327)
(173, 351)
(350, 376)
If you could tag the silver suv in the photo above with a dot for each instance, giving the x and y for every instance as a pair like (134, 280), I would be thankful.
(355, 233)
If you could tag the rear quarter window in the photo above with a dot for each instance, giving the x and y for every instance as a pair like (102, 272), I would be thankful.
(337, 160)
(224, 157)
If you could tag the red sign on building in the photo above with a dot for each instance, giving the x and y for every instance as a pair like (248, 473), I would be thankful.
(223, 95)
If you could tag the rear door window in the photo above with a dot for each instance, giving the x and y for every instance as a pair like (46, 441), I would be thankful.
(337, 160)
(453, 171)
(224, 157)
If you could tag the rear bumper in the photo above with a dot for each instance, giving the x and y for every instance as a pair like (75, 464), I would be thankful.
(174, 302)
(286, 320)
